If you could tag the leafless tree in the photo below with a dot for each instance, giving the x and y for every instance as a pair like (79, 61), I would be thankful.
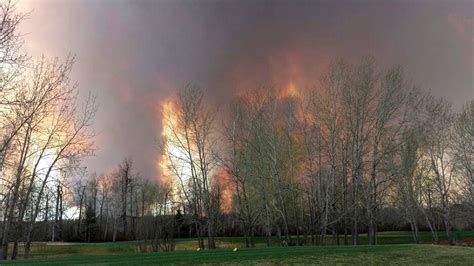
(56, 136)
(191, 155)
(237, 164)
(463, 155)
(438, 128)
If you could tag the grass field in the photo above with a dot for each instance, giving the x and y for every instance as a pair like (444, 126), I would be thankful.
(353, 255)
(393, 249)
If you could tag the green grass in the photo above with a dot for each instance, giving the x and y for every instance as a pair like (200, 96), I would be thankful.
(350, 255)
(394, 247)
(384, 238)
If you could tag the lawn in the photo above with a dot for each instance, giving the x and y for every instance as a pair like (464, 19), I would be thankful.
(394, 248)
(359, 255)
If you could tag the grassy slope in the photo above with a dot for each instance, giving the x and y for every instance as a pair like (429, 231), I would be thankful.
(362, 255)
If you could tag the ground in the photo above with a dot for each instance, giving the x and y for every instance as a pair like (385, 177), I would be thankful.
(390, 251)
(354, 255)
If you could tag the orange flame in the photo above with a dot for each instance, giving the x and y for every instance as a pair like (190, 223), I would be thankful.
(168, 122)
(223, 181)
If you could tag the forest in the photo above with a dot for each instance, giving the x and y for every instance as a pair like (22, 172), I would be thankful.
(363, 151)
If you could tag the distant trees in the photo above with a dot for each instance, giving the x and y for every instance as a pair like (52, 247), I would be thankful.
(122, 205)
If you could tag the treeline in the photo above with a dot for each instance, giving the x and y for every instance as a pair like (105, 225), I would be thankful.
(361, 151)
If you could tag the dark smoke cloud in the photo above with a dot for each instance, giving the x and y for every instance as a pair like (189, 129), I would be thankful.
(134, 54)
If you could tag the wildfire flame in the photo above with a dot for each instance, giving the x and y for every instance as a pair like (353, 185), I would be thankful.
(223, 181)
(168, 163)
(290, 90)
(168, 122)
(286, 74)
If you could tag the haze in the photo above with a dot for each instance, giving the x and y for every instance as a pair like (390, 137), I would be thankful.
(134, 54)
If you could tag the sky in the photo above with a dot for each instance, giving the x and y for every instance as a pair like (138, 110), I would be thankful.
(136, 54)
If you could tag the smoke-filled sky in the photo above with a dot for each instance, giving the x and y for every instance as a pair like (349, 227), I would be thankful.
(135, 54)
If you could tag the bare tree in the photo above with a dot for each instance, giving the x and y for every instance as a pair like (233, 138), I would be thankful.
(12, 62)
(438, 127)
(463, 155)
(237, 164)
(191, 155)
(125, 175)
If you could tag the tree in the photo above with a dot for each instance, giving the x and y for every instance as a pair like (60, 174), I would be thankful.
(56, 135)
(125, 179)
(12, 62)
(463, 155)
(191, 157)
(236, 164)
(438, 125)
